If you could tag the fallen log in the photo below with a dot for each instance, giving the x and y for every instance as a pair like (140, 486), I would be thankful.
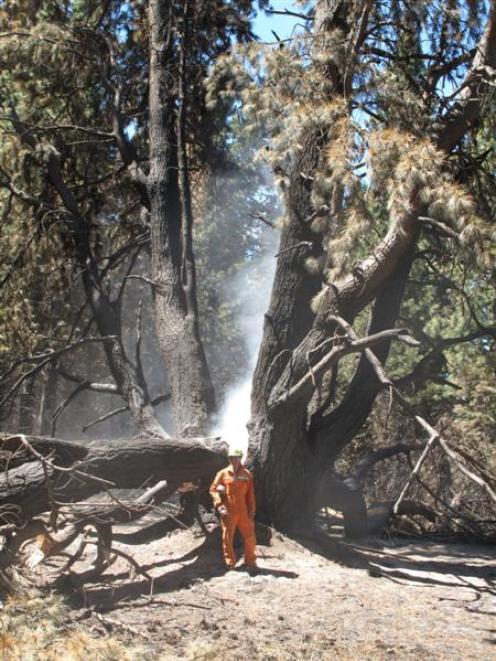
(58, 472)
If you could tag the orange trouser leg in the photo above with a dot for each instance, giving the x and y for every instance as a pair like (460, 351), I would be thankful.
(228, 524)
(247, 529)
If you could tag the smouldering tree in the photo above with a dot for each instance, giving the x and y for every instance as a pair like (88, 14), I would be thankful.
(373, 119)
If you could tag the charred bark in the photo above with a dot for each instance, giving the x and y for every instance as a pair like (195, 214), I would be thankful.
(173, 269)
(292, 446)
(76, 470)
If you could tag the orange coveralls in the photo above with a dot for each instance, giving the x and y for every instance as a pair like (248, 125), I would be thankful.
(240, 504)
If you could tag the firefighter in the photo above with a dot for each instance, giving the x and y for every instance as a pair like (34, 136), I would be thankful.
(234, 499)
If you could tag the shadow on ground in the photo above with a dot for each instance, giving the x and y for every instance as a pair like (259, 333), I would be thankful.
(199, 565)
(419, 562)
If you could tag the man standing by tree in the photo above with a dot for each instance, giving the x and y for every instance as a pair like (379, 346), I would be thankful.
(234, 498)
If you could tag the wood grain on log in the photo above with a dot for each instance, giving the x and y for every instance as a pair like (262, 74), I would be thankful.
(127, 464)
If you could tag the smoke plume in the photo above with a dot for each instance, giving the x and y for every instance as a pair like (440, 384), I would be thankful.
(251, 287)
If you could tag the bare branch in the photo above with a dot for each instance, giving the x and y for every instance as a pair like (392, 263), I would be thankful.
(109, 388)
(38, 128)
(286, 12)
(48, 464)
(470, 99)
(467, 471)
(433, 439)
(348, 344)
(106, 416)
(123, 409)
(300, 244)
(44, 359)
(81, 387)
(373, 457)
(149, 281)
(433, 433)
(260, 216)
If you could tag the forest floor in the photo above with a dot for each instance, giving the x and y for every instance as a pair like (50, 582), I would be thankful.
(326, 600)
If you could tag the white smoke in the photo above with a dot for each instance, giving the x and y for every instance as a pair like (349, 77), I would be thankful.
(251, 288)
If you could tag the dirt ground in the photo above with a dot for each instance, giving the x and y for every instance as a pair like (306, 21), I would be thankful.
(325, 600)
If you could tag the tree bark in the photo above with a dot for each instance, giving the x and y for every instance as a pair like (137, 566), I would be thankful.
(127, 464)
(173, 270)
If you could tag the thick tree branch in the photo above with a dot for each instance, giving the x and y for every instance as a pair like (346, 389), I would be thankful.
(372, 457)
(128, 464)
(475, 86)
(349, 344)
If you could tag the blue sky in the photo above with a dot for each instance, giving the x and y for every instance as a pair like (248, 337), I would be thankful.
(283, 25)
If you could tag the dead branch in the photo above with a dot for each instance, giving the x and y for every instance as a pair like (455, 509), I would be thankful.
(44, 360)
(95, 513)
(137, 352)
(351, 344)
(434, 435)
(261, 217)
(287, 12)
(105, 416)
(54, 353)
(466, 471)
(149, 281)
(48, 464)
(371, 458)
(122, 409)
(300, 244)
(116, 463)
(110, 624)
(432, 440)
(81, 387)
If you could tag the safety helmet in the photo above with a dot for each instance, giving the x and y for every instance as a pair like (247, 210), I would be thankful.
(236, 453)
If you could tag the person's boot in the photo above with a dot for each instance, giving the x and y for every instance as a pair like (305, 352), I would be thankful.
(252, 570)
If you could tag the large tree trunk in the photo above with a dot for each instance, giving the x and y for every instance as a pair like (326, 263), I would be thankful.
(173, 270)
(295, 449)
(294, 443)
(287, 464)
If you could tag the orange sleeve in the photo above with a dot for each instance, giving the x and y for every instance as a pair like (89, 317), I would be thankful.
(250, 497)
(219, 479)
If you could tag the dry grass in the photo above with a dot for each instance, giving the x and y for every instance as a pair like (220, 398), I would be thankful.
(40, 628)
(34, 628)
